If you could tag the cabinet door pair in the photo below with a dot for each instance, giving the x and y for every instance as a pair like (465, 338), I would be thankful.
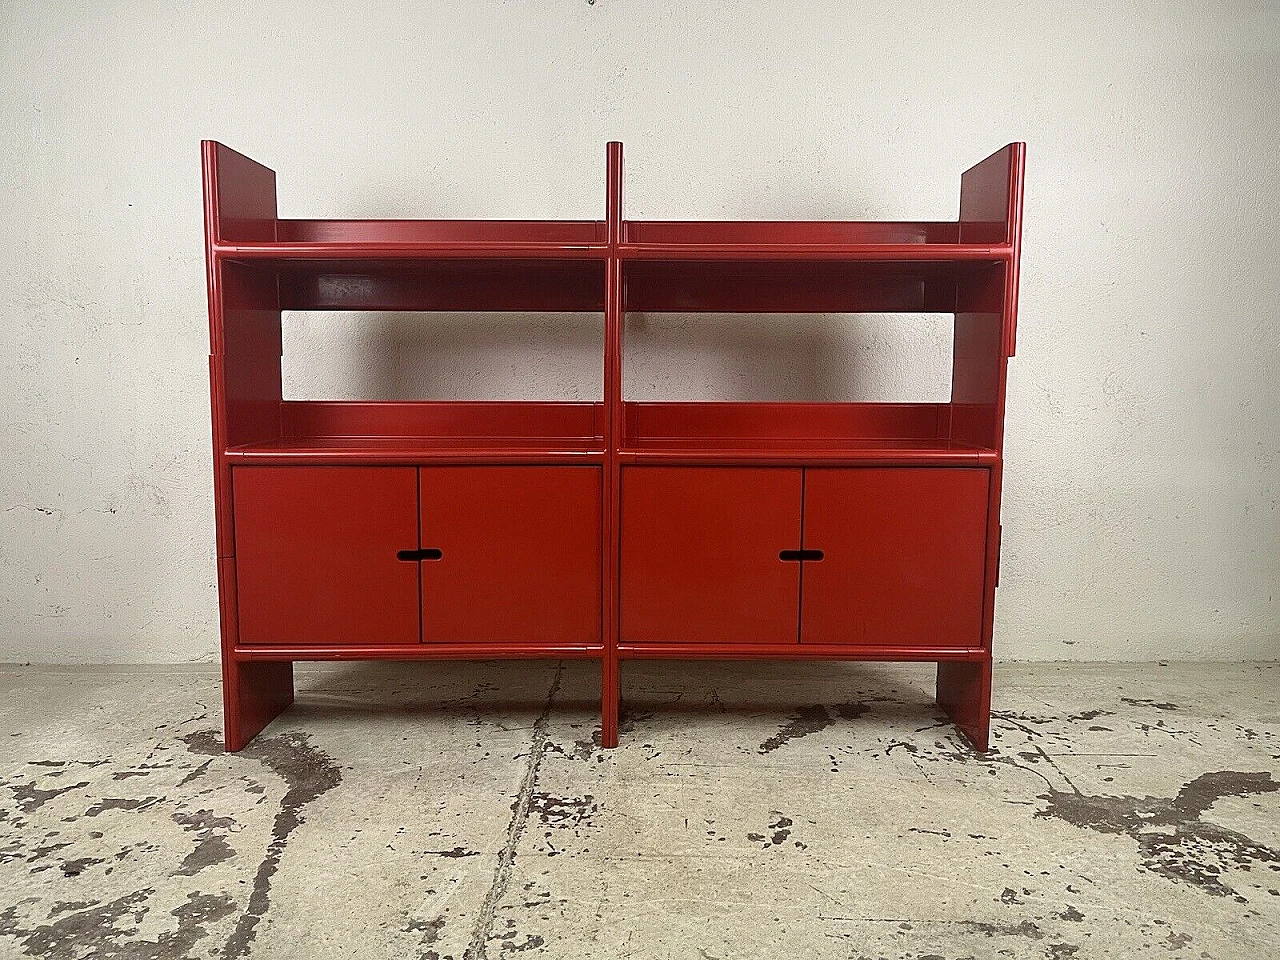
(397, 555)
(854, 556)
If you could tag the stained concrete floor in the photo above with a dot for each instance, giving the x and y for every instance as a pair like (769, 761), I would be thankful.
(434, 811)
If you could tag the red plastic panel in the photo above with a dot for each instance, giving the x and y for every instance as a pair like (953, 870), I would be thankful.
(700, 552)
(904, 556)
(454, 285)
(519, 554)
(518, 423)
(316, 554)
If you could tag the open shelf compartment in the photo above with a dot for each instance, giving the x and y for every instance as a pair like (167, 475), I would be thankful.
(345, 431)
(327, 240)
(709, 432)
(782, 240)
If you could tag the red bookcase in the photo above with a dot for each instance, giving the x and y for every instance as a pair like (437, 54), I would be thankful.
(350, 530)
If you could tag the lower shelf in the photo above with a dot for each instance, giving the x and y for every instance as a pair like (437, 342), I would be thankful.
(424, 651)
(629, 651)
(796, 651)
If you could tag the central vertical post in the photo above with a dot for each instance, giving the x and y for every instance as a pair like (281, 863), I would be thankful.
(614, 309)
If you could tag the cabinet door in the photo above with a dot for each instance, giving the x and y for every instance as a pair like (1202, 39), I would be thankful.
(316, 554)
(904, 556)
(519, 554)
(700, 557)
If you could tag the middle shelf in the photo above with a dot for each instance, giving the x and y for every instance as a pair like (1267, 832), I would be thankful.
(350, 431)
(733, 432)
(340, 431)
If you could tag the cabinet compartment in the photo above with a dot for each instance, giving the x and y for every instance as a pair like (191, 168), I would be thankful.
(316, 554)
(904, 556)
(700, 554)
(519, 554)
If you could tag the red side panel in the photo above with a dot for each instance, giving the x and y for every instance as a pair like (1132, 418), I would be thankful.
(700, 554)
(519, 554)
(316, 554)
(904, 553)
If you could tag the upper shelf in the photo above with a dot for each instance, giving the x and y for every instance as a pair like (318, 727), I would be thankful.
(378, 240)
(328, 241)
(242, 224)
(814, 240)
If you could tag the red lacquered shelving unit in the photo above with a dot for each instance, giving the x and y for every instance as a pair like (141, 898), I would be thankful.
(351, 530)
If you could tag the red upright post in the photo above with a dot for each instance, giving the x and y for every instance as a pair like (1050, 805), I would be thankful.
(614, 308)
(245, 397)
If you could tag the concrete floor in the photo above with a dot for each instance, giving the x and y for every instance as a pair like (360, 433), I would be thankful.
(434, 811)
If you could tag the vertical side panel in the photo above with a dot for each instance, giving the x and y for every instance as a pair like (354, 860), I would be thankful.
(986, 190)
(964, 692)
(242, 193)
(251, 354)
(253, 694)
(991, 212)
(978, 362)
(986, 335)
(239, 201)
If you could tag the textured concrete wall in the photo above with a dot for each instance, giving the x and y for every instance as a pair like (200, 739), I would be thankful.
(1144, 418)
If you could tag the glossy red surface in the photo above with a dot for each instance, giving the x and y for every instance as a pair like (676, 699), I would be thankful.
(700, 555)
(521, 554)
(906, 555)
(316, 554)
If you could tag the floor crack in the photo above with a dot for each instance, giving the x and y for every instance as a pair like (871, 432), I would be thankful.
(478, 948)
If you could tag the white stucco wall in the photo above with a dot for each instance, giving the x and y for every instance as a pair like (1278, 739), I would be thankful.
(1144, 413)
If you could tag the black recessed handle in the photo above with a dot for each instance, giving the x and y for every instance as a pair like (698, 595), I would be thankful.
(800, 555)
(412, 556)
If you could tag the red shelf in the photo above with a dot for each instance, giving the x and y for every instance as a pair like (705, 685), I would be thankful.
(342, 431)
(420, 651)
(813, 240)
(380, 240)
(819, 451)
(742, 433)
(796, 651)
(412, 450)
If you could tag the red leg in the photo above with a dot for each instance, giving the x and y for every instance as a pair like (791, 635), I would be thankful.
(610, 696)
(964, 692)
(253, 694)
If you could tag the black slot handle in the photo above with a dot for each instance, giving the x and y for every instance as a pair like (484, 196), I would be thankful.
(800, 555)
(412, 556)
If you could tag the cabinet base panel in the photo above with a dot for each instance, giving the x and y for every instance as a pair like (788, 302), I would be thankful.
(964, 692)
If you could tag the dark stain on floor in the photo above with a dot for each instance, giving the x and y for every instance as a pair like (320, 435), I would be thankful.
(556, 811)
(1174, 840)
(211, 844)
(94, 928)
(1133, 702)
(98, 929)
(309, 773)
(810, 720)
(778, 831)
(29, 797)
